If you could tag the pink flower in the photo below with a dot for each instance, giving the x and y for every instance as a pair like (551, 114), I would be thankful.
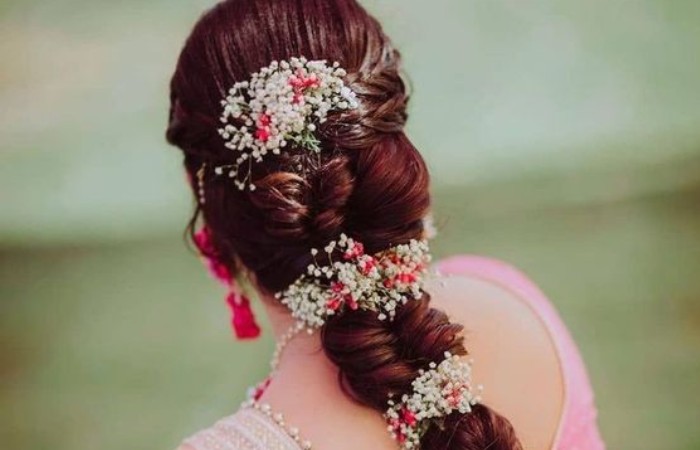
(300, 82)
(367, 265)
(311, 81)
(406, 278)
(352, 303)
(334, 303)
(408, 417)
(355, 251)
(243, 320)
(262, 134)
(298, 98)
(264, 120)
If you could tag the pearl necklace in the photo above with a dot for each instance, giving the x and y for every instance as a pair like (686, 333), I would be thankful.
(292, 432)
(266, 409)
(283, 341)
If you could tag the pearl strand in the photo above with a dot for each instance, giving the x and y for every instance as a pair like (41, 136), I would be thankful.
(283, 341)
(278, 418)
(266, 409)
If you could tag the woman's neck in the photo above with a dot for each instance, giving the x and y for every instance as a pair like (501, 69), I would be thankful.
(306, 380)
(303, 352)
(279, 316)
(302, 368)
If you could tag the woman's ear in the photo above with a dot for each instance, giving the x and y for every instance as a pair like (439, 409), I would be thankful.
(429, 230)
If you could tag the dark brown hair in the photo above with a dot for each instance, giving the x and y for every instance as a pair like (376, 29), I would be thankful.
(369, 182)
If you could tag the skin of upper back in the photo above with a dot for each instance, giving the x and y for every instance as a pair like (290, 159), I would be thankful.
(515, 357)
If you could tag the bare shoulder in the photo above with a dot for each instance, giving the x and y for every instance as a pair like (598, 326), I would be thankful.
(515, 354)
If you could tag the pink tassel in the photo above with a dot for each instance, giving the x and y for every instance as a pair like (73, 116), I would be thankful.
(243, 320)
(202, 239)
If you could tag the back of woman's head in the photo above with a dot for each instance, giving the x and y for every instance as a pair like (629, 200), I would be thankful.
(368, 181)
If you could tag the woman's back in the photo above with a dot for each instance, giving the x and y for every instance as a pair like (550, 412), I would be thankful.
(538, 349)
(522, 354)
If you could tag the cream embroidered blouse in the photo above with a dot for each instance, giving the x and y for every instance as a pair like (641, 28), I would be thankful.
(247, 429)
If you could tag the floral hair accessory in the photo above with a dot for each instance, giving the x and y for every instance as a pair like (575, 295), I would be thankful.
(377, 283)
(437, 392)
(282, 103)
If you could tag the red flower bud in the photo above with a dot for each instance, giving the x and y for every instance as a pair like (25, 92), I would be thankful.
(262, 134)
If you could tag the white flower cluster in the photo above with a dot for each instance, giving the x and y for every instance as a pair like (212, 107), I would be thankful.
(437, 392)
(379, 283)
(283, 103)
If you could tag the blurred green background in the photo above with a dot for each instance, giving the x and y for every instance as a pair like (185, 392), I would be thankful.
(563, 136)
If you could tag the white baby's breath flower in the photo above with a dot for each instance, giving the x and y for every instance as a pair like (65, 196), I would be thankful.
(285, 101)
(354, 279)
(437, 392)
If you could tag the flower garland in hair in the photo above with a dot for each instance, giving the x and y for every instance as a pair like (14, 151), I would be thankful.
(436, 393)
(282, 103)
(379, 283)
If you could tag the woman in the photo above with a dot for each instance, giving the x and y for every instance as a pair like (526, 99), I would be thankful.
(291, 115)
